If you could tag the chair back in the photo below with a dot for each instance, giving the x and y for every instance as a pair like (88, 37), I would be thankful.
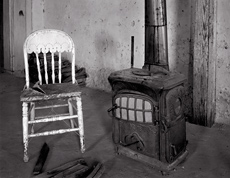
(53, 42)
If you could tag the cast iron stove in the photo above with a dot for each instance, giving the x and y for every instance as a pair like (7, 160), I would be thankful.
(148, 116)
(148, 104)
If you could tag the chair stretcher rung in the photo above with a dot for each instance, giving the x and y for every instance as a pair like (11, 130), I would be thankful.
(52, 118)
(53, 132)
(51, 106)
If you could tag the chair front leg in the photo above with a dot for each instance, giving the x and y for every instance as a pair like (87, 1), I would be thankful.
(80, 123)
(25, 129)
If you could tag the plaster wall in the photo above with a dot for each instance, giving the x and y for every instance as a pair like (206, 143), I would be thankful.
(37, 15)
(18, 36)
(223, 63)
(179, 38)
(102, 33)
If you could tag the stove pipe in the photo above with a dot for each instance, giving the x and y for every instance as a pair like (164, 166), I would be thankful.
(156, 47)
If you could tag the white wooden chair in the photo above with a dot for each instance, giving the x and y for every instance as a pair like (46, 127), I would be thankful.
(55, 95)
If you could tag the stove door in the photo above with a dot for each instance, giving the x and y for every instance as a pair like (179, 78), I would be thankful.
(175, 123)
(135, 122)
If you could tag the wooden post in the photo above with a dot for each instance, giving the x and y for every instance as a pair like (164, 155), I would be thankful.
(204, 61)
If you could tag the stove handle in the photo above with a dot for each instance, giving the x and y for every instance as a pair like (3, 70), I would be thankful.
(164, 126)
(133, 139)
(111, 109)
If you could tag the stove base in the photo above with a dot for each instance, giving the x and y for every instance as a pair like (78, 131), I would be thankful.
(164, 167)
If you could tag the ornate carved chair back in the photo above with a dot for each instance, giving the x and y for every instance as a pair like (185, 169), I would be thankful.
(48, 41)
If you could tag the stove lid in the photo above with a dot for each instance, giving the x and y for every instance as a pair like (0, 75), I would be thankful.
(157, 80)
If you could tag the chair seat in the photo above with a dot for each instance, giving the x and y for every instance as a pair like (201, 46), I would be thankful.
(51, 91)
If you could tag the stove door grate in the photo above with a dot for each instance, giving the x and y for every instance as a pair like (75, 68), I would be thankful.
(135, 107)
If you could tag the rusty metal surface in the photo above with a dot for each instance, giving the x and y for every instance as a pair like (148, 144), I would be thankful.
(164, 167)
(162, 141)
(156, 42)
(155, 80)
(155, 12)
(146, 134)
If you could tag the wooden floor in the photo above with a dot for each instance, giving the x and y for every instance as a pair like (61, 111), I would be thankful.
(209, 148)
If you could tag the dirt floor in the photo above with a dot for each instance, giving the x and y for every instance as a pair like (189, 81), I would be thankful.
(209, 148)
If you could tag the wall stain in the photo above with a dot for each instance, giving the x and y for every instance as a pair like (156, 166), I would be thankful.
(133, 23)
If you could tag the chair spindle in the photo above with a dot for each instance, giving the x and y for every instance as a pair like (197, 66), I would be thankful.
(45, 64)
(73, 67)
(53, 68)
(39, 70)
(59, 69)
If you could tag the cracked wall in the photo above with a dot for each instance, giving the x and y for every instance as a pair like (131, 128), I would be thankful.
(223, 63)
(102, 33)
(179, 38)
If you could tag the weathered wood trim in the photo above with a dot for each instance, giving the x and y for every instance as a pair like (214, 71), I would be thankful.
(80, 123)
(52, 118)
(28, 17)
(53, 132)
(18, 27)
(25, 129)
(11, 33)
(204, 61)
(7, 33)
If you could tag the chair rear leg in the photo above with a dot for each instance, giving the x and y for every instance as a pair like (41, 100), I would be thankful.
(80, 123)
(71, 111)
(32, 116)
(25, 129)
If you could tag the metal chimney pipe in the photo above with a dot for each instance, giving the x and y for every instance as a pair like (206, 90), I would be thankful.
(156, 47)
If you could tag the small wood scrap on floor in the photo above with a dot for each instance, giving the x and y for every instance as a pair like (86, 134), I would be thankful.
(41, 159)
(79, 168)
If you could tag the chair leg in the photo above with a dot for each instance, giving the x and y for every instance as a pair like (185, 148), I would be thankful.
(32, 116)
(80, 123)
(25, 129)
(71, 111)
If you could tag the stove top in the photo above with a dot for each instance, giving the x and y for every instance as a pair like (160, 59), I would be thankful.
(157, 79)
